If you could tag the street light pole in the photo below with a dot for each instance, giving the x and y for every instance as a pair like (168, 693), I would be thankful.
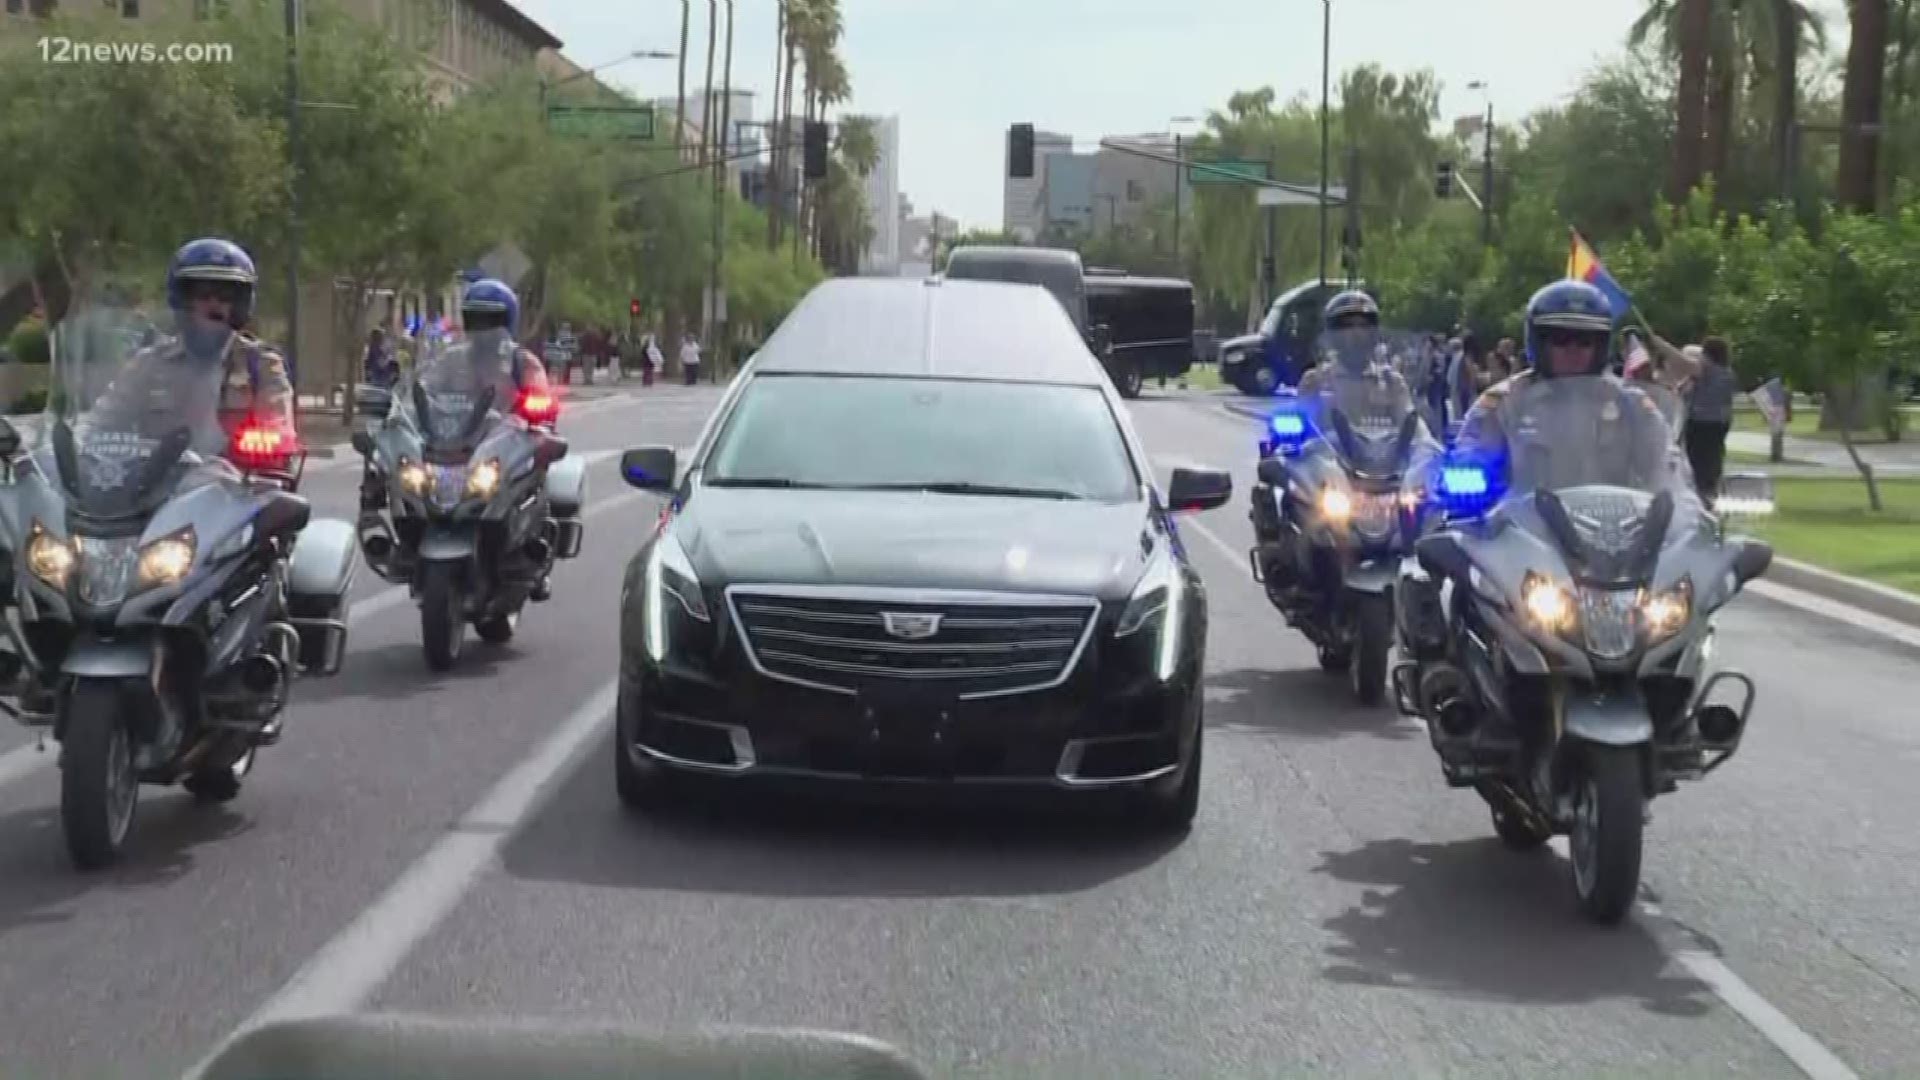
(1179, 183)
(1326, 114)
(1486, 165)
(293, 189)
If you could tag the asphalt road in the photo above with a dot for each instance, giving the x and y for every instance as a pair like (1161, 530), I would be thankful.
(453, 845)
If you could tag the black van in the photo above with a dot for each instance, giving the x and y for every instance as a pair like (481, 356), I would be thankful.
(1136, 326)
(1149, 322)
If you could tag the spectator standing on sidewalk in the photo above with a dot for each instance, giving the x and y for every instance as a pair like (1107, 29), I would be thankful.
(651, 359)
(690, 358)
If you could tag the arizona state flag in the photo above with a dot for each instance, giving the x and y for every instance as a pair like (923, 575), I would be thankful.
(1583, 264)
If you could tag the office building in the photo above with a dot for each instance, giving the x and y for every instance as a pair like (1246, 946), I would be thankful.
(882, 192)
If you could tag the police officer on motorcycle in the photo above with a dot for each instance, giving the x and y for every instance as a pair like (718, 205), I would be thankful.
(1349, 349)
(1569, 334)
(490, 308)
(210, 365)
(1570, 331)
(1352, 320)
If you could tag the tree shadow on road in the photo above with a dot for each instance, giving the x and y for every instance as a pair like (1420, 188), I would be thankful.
(1473, 919)
(37, 881)
(1299, 703)
(819, 842)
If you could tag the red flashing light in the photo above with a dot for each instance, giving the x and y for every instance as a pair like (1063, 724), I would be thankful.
(263, 444)
(537, 407)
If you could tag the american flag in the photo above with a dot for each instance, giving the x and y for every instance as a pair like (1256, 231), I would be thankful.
(1637, 358)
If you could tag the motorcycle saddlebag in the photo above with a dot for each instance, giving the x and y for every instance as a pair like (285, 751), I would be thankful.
(318, 576)
(567, 486)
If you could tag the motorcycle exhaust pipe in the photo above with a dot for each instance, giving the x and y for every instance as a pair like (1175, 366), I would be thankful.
(538, 550)
(1444, 699)
(1719, 725)
(262, 674)
(378, 549)
(1457, 718)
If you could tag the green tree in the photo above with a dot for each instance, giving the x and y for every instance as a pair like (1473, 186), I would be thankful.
(179, 158)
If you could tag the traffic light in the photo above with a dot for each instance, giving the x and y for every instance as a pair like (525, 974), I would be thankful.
(816, 150)
(633, 308)
(1443, 180)
(1020, 152)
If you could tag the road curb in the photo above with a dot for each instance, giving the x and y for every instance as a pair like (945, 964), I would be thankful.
(1888, 603)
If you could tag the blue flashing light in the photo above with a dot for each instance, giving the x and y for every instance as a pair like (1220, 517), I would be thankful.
(1463, 481)
(1288, 425)
(637, 475)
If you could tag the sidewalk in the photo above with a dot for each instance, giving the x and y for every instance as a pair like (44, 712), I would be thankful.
(1818, 455)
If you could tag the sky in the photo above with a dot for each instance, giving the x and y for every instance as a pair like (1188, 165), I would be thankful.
(958, 72)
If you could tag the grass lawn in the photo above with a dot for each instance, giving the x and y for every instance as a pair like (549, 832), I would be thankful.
(1204, 377)
(1826, 522)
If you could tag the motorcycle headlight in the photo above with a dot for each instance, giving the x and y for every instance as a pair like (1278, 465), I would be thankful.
(1336, 505)
(670, 578)
(413, 477)
(166, 560)
(49, 558)
(484, 480)
(1156, 603)
(1664, 613)
(1548, 603)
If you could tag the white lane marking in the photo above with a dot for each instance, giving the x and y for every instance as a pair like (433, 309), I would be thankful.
(1776, 1027)
(1237, 558)
(1773, 1025)
(350, 968)
(23, 761)
(1833, 609)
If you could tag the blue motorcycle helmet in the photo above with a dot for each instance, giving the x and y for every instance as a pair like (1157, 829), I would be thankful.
(1569, 313)
(489, 304)
(210, 268)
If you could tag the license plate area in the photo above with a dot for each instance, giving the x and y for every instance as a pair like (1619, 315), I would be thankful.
(907, 729)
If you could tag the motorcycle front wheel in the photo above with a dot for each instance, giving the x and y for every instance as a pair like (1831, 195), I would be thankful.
(1607, 833)
(1372, 641)
(443, 614)
(99, 786)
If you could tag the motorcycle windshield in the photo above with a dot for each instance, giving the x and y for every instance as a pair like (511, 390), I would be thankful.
(1363, 407)
(459, 386)
(132, 393)
(1598, 458)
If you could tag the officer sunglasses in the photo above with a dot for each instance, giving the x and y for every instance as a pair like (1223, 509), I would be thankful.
(1567, 338)
(224, 291)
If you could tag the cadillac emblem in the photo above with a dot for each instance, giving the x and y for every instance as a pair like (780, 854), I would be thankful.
(910, 625)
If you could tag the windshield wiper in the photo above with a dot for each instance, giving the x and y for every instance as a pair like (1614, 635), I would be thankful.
(964, 487)
(762, 482)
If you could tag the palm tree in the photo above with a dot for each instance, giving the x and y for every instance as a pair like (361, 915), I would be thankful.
(829, 90)
(1860, 104)
(858, 144)
(1766, 37)
(773, 166)
(800, 28)
(680, 94)
(818, 47)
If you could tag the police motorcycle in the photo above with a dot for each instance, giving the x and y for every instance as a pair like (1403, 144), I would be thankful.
(168, 584)
(1557, 624)
(467, 499)
(1328, 508)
